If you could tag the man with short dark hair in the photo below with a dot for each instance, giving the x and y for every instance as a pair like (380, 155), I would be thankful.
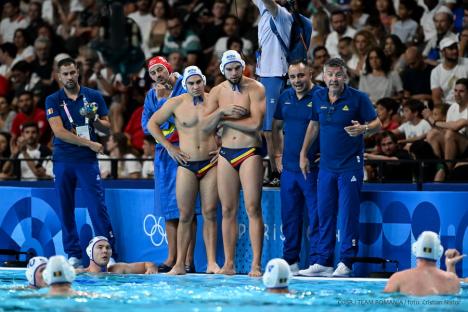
(345, 115)
(74, 113)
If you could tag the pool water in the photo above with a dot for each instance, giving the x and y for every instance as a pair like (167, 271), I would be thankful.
(218, 293)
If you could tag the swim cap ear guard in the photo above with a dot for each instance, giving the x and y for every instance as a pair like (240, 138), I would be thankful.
(428, 246)
(192, 71)
(277, 274)
(92, 243)
(58, 270)
(230, 56)
(33, 265)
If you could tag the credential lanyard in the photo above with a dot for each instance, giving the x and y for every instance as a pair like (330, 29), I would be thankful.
(67, 112)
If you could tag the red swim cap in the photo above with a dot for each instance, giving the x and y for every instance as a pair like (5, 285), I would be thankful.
(161, 61)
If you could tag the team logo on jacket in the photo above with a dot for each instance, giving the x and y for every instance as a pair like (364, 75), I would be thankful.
(345, 108)
(309, 104)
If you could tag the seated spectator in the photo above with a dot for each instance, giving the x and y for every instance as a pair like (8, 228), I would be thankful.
(27, 147)
(183, 40)
(449, 139)
(341, 29)
(394, 172)
(444, 75)
(319, 58)
(134, 130)
(160, 10)
(7, 58)
(387, 14)
(321, 27)
(416, 77)
(27, 112)
(345, 49)
(363, 42)
(119, 147)
(386, 109)
(439, 112)
(429, 170)
(405, 28)
(34, 18)
(414, 128)
(43, 63)
(358, 17)
(7, 114)
(378, 80)
(443, 21)
(11, 21)
(393, 49)
(147, 170)
(144, 19)
(211, 27)
(4, 150)
(231, 28)
(23, 79)
(24, 49)
(464, 42)
(177, 61)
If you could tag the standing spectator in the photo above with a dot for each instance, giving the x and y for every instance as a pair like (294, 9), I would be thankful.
(28, 112)
(379, 80)
(74, 155)
(12, 20)
(444, 76)
(341, 29)
(416, 77)
(291, 118)
(119, 147)
(183, 40)
(449, 139)
(345, 115)
(272, 66)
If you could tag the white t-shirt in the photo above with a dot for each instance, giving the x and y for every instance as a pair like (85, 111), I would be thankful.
(28, 52)
(128, 167)
(454, 114)
(445, 79)
(26, 173)
(412, 131)
(378, 87)
(221, 46)
(333, 38)
(147, 170)
(144, 22)
(272, 62)
(8, 27)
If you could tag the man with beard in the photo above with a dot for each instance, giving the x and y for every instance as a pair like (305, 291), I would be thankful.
(74, 112)
(240, 163)
(99, 251)
(291, 118)
(167, 84)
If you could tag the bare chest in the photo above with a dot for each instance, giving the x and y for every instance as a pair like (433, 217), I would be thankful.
(188, 115)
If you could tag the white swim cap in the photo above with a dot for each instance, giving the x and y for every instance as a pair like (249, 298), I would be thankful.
(230, 56)
(192, 71)
(92, 243)
(276, 274)
(428, 246)
(58, 270)
(33, 265)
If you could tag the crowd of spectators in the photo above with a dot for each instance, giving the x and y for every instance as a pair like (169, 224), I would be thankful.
(407, 55)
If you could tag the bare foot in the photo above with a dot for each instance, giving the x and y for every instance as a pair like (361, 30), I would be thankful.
(255, 271)
(212, 268)
(177, 270)
(227, 270)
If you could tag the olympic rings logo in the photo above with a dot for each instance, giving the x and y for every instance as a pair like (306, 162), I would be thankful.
(154, 230)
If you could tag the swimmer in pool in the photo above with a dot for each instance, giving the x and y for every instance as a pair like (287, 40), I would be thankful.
(99, 252)
(34, 269)
(276, 276)
(426, 279)
(59, 275)
(452, 257)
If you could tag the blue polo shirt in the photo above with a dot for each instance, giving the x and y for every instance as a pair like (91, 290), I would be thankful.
(295, 114)
(55, 106)
(340, 152)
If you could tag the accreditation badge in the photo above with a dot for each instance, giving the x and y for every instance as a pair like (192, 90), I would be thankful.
(83, 132)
